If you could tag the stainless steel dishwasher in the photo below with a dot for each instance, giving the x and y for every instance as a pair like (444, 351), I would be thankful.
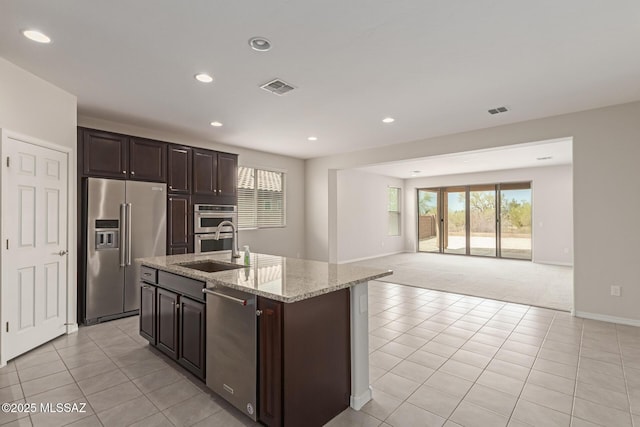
(232, 347)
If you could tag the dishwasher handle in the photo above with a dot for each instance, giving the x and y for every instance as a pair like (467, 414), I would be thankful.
(230, 298)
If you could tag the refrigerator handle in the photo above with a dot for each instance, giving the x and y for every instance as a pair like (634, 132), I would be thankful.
(129, 208)
(123, 225)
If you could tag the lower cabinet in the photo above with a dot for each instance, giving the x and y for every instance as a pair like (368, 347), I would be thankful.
(167, 321)
(148, 312)
(191, 336)
(175, 324)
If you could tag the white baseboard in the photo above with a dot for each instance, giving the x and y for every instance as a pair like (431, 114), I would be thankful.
(370, 257)
(563, 264)
(606, 318)
(357, 402)
(71, 328)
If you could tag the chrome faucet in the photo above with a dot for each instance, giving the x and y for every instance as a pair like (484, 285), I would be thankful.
(235, 252)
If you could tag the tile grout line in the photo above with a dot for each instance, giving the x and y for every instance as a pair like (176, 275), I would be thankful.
(624, 375)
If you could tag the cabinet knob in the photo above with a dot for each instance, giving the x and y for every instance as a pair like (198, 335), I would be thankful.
(124, 171)
(133, 173)
(171, 187)
(258, 313)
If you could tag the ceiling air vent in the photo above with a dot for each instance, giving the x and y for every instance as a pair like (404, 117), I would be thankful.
(277, 87)
(498, 110)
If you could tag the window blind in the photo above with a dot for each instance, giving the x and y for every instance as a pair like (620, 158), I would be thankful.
(261, 201)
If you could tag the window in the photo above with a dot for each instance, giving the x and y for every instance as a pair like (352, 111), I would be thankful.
(261, 202)
(394, 211)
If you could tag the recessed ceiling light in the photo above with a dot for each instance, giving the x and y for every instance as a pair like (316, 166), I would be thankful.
(216, 124)
(415, 173)
(544, 158)
(313, 138)
(388, 120)
(260, 44)
(204, 78)
(36, 36)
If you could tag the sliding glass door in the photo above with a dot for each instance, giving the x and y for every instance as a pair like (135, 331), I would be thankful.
(515, 220)
(428, 221)
(491, 220)
(455, 220)
(482, 220)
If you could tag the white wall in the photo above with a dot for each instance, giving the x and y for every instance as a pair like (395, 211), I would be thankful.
(286, 241)
(606, 149)
(362, 218)
(552, 220)
(36, 108)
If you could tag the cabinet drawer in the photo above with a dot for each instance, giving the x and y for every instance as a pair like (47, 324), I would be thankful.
(149, 275)
(182, 285)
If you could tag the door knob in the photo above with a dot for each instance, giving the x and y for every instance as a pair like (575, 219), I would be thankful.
(63, 253)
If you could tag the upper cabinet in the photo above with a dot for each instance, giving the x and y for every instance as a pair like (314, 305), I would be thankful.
(105, 154)
(111, 155)
(215, 176)
(205, 163)
(180, 161)
(147, 160)
(228, 176)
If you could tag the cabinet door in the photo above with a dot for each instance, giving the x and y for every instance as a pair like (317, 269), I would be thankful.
(167, 323)
(179, 177)
(228, 176)
(270, 362)
(178, 250)
(148, 312)
(147, 160)
(178, 220)
(192, 336)
(204, 172)
(104, 154)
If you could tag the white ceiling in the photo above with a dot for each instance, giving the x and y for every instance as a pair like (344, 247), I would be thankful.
(510, 157)
(436, 66)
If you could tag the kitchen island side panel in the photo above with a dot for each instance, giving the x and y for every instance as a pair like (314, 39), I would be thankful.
(317, 359)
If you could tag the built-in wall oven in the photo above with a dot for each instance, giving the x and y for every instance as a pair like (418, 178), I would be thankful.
(208, 243)
(206, 218)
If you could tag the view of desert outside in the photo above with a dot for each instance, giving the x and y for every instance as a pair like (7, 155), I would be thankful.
(514, 221)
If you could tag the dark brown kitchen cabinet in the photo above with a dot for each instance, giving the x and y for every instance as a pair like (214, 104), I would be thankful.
(173, 316)
(270, 362)
(147, 160)
(191, 336)
(205, 163)
(178, 221)
(167, 322)
(105, 154)
(178, 250)
(111, 155)
(228, 176)
(304, 364)
(180, 170)
(215, 177)
(148, 312)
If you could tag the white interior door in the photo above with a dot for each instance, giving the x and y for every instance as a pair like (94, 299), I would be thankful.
(34, 245)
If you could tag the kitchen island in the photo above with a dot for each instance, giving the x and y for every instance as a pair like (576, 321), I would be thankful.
(291, 333)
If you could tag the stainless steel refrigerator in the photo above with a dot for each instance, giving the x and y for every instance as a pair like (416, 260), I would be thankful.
(125, 220)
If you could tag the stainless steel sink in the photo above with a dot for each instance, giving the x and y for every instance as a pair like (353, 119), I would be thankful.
(210, 266)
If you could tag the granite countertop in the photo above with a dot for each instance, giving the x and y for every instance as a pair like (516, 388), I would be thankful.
(274, 277)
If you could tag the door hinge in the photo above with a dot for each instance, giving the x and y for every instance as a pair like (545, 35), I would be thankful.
(8, 161)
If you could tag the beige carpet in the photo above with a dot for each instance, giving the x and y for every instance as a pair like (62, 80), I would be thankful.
(516, 281)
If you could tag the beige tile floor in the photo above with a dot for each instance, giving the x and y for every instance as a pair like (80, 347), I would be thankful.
(436, 359)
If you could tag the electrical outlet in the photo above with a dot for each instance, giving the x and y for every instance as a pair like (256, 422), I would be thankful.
(615, 291)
